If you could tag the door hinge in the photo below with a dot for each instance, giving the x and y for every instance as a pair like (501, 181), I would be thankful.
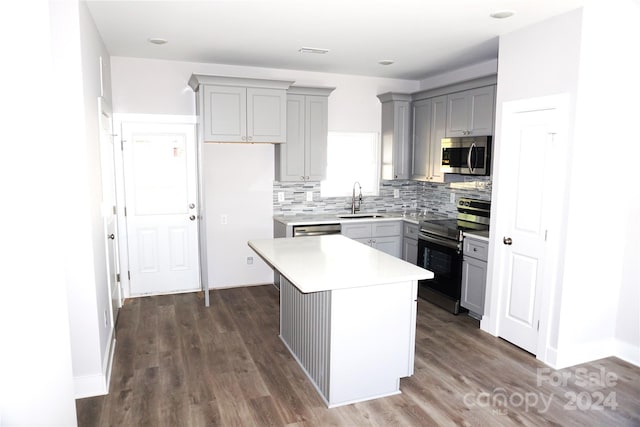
(125, 211)
(538, 326)
(122, 145)
(115, 211)
(117, 277)
(129, 274)
(545, 235)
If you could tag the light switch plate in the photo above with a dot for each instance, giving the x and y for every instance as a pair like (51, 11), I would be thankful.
(396, 193)
(453, 197)
(309, 196)
(281, 196)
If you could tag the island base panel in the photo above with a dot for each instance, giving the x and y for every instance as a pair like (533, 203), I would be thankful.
(354, 344)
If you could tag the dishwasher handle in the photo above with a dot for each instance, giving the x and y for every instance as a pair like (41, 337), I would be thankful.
(316, 230)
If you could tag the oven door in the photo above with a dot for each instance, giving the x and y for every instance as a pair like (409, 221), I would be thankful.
(444, 258)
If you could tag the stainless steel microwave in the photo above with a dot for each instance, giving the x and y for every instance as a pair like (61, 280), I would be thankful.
(467, 155)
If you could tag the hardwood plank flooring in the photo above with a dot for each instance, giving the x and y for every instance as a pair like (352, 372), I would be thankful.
(178, 363)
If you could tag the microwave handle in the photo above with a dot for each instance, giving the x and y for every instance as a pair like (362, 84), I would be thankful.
(473, 147)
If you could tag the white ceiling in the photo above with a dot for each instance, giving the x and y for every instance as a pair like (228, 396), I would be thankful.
(423, 37)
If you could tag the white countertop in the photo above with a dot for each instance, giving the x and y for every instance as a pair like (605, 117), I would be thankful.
(322, 263)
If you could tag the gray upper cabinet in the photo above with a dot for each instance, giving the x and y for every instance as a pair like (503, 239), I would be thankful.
(429, 124)
(471, 112)
(304, 156)
(396, 128)
(241, 110)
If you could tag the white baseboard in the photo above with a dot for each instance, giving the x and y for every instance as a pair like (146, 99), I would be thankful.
(592, 351)
(627, 352)
(97, 384)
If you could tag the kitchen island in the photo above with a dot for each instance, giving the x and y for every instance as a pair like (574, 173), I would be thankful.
(347, 314)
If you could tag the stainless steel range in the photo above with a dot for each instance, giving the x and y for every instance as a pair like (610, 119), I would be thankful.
(440, 251)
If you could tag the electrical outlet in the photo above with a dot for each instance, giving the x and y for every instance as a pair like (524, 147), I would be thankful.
(223, 219)
(249, 260)
(281, 196)
(309, 196)
(396, 193)
(452, 197)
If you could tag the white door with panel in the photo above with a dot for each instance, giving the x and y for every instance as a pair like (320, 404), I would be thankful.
(109, 212)
(525, 198)
(160, 187)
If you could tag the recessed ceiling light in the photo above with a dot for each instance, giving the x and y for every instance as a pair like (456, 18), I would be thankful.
(502, 14)
(312, 50)
(157, 40)
(386, 61)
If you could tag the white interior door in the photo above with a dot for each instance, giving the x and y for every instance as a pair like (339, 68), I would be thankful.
(160, 192)
(522, 208)
(107, 159)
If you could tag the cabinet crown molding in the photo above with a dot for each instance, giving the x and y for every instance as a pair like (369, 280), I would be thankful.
(201, 79)
(393, 96)
(310, 90)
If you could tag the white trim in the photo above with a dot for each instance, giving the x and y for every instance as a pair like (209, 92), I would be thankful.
(120, 118)
(98, 384)
(628, 352)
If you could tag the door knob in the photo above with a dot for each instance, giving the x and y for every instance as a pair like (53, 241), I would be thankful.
(192, 217)
(112, 236)
(192, 205)
(507, 240)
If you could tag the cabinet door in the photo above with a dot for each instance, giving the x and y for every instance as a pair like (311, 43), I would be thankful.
(390, 245)
(358, 230)
(410, 250)
(225, 117)
(421, 139)
(437, 132)
(316, 108)
(266, 115)
(474, 276)
(457, 114)
(396, 154)
(290, 156)
(386, 228)
(482, 106)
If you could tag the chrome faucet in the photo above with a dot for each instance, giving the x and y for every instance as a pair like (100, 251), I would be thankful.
(355, 209)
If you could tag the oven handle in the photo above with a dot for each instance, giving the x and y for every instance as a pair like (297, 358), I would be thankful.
(440, 241)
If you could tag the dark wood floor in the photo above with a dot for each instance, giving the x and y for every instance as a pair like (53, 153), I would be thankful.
(178, 363)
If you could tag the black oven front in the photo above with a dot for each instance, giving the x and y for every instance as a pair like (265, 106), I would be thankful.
(443, 257)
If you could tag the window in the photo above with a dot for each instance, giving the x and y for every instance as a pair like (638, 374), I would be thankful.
(351, 157)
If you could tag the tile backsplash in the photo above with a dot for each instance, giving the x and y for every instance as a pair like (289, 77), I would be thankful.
(414, 196)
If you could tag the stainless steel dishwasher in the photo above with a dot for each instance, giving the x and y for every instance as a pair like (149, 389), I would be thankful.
(316, 230)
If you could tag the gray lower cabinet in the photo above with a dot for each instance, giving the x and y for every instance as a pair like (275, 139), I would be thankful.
(385, 236)
(304, 155)
(410, 243)
(474, 275)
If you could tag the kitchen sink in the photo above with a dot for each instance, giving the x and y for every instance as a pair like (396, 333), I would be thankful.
(361, 216)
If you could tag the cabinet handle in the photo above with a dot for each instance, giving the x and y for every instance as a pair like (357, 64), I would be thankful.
(244, 138)
(250, 138)
(507, 240)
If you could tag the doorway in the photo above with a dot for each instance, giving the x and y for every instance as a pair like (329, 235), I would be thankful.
(160, 184)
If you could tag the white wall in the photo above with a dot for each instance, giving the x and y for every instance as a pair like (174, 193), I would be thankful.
(595, 273)
(242, 176)
(144, 86)
(84, 241)
(595, 302)
(36, 380)
(475, 71)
